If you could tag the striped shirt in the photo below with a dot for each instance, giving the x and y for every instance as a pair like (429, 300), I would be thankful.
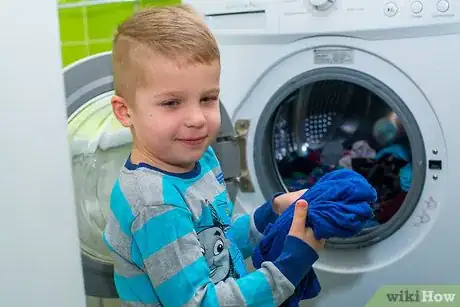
(175, 242)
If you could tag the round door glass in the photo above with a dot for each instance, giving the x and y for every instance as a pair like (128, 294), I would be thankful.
(337, 118)
(331, 125)
(99, 146)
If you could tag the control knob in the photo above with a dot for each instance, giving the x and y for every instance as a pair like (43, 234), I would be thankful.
(321, 5)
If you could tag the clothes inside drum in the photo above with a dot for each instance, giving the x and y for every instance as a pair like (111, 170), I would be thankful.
(329, 125)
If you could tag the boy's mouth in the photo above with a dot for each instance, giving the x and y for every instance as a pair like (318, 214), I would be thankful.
(194, 141)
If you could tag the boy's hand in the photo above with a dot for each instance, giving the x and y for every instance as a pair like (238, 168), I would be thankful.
(283, 201)
(298, 228)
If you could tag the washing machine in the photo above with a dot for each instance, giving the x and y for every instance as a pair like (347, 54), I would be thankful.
(308, 87)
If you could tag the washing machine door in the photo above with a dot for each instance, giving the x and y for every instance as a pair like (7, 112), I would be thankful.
(99, 146)
(337, 111)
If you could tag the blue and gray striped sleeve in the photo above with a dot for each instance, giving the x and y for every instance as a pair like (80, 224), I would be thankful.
(171, 254)
(247, 230)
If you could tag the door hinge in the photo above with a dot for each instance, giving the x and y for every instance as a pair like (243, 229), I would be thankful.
(243, 180)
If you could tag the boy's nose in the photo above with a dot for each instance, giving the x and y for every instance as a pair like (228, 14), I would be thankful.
(195, 118)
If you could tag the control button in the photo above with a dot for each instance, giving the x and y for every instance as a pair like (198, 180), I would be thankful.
(443, 6)
(391, 9)
(435, 164)
(417, 7)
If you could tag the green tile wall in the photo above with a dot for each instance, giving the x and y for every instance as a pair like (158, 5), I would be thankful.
(88, 30)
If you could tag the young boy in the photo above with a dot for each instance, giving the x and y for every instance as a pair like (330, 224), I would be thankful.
(170, 228)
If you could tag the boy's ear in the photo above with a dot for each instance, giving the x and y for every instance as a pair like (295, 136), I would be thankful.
(121, 110)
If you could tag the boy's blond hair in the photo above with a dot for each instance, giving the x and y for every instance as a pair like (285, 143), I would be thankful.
(176, 32)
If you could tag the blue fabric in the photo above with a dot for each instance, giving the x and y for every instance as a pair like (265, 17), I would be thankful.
(396, 150)
(405, 177)
(338, 206)
(405, 173)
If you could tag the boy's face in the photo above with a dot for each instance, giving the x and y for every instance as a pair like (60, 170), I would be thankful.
(176, 116)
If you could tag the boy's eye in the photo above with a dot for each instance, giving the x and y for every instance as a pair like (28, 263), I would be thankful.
(210, 99)
(170, 103)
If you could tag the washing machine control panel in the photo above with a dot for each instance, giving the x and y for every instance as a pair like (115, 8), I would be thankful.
(317, 17)
(352, 15)
(340, 15)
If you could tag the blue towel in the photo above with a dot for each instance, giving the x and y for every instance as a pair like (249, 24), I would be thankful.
(338, 206)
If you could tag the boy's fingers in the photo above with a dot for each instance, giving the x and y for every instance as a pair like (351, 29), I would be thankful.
(301, 192)
(300, 218)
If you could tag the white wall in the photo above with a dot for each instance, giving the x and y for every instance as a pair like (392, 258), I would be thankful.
(39, 248)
